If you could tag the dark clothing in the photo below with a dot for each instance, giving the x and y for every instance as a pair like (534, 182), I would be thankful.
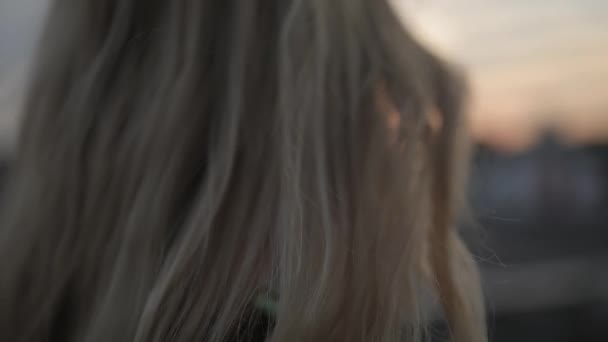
(256, 330)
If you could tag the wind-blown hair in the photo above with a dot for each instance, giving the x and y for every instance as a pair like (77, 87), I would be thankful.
(178, 158)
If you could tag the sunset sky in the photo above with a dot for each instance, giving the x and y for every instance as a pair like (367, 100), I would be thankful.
(531, 62)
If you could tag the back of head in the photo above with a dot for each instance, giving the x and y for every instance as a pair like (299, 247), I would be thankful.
(180, 158)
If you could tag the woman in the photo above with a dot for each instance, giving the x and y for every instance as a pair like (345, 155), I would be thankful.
(190, 169)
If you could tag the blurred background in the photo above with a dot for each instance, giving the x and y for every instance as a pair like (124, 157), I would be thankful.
(538, 71)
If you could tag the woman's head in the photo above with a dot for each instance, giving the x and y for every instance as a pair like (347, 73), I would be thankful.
(179, 158)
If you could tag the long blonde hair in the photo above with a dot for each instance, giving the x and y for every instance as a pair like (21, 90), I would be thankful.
(178, 158)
